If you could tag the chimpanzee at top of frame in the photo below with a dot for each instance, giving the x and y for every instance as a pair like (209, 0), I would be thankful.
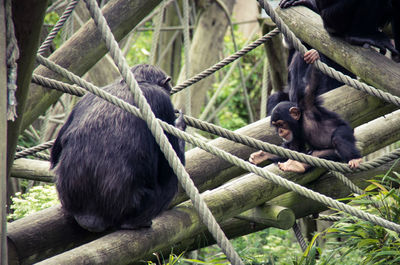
(359, 22)
(111, 173)
(325, 132)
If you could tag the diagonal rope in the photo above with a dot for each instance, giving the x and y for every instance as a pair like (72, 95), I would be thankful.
(224, 62)
(33, 150)
(324, 68)
(23, 152)
(60, 23)
(161, 139)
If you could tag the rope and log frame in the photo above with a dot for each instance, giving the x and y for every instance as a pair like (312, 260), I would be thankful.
(158, 127)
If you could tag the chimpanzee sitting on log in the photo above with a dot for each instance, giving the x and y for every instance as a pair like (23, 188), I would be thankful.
(110, 171)
(309, 127)
(359, 22)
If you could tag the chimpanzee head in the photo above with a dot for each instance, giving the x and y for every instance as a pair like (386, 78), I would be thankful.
(151, 74)
(285, 117)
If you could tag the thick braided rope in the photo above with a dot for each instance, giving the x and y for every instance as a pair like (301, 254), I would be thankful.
(347, 182)
(161, 139)
(12, 57)
(225, 62)
(60, 23)
(58, 85)
(329, 218)
(322, 66)
(33, 150)
(220, 153)
(21, 153)
(299, 236)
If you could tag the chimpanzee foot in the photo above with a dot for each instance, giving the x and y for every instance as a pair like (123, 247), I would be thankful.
(91, 223)
(379, 41)
(259, 156)
(355, 163)
(292, 166)
(130, 226)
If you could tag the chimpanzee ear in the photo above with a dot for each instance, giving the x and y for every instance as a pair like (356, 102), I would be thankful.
(295, 113)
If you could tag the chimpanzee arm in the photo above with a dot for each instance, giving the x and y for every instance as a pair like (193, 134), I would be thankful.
(274, 99)
(344, 143)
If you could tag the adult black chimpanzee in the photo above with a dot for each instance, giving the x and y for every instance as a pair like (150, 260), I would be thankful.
(110, 171)
(326, 134)
(358, 21)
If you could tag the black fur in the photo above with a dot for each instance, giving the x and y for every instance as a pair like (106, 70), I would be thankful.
(358, 21)
(110, 171)
(274, 99)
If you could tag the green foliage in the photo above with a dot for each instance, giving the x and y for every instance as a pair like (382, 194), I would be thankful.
(172, 259)
(38, 198)
(378, 245)
(139, 52)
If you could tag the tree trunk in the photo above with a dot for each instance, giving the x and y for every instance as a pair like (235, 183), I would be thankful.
(27, 32)
(170, 61)
(206, 46)
(3, 135)
(277, 58)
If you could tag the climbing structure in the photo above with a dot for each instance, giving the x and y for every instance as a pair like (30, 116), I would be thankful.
(47, 237)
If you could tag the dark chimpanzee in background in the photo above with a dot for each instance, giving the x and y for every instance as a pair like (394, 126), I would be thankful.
(308, 122)
(110, 171)
(359, 22)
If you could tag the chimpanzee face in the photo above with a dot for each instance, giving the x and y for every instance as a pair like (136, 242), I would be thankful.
(283, 130)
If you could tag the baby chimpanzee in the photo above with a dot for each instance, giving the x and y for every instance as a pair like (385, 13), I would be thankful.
(308, 122)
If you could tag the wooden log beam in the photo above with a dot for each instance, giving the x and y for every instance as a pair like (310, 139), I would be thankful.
(3, 136)
(172, 226)
(84, 49)
(32, 169)
(270, 215)
(372, 67)
(27, 33)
